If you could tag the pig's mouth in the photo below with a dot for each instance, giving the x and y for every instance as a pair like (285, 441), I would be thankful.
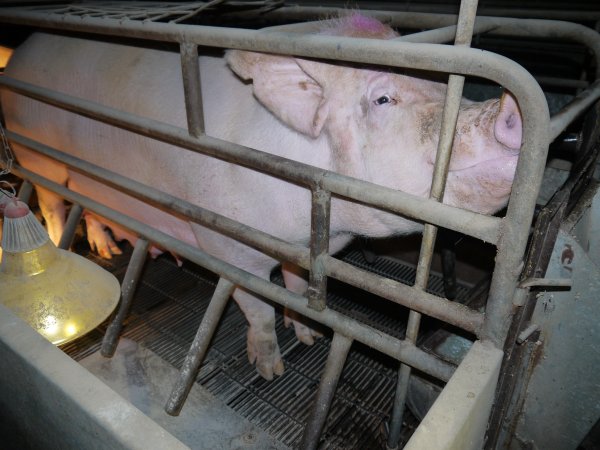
(503, 166)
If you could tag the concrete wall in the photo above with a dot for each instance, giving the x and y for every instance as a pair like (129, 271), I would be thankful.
(48, 401)
(458, 419)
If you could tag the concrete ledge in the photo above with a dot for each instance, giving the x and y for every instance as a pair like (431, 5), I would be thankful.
(54, 403)
(458, 418)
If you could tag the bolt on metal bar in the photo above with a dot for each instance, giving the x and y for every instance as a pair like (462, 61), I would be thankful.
(197, 351)
(340, 346)
(128, 286)
(450, 312)
(190, 71)
(396, 348)
(464, 34)
(71, 225)
(319, 248)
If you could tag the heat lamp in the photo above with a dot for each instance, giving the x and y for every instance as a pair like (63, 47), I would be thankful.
(60, 294)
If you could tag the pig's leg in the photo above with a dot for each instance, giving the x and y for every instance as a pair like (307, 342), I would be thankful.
(99, 238)
(53, 210)
(295, 280)
(51, 204)
(262, 340)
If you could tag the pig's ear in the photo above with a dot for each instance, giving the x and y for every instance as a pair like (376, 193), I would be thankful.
(281, 85)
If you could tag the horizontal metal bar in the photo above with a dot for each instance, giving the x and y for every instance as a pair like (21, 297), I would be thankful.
(527, 332)
(468, 222)
(275, 247)
(444, 34)
(577, 106)
(434, 36)
(451, 312)
(512, 236)
(418, 10)
(546, 282)
(281, 250)
(351, 328)
(500, 26)
(562, 82)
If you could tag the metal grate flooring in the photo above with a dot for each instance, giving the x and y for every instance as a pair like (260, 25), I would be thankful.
(167, 310)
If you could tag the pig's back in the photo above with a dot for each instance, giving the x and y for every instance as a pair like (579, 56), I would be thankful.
(147, 82)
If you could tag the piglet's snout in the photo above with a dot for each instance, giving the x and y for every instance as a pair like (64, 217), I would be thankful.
(508, 128)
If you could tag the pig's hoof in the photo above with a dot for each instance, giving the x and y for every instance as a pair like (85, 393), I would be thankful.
(304, 333)
(100, 240)
(264, 351)
(105, 248)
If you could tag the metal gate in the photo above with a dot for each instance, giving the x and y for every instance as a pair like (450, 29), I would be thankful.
(421, 50)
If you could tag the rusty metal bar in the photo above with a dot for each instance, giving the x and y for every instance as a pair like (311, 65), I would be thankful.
(476, 225)
(190, 71)
(464, 34)
(450, 312)
(69, 232)
(347, 326)
(128, 286)
(199, 346)
(319, 248)
(340, 346)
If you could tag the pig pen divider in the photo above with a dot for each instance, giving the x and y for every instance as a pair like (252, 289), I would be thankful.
(509, 234)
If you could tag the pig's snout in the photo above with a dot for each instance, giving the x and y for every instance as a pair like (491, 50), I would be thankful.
(508, 128)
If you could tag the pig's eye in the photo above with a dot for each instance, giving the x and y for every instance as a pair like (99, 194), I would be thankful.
(384, 99)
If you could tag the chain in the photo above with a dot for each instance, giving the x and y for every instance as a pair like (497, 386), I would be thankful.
(7, 156)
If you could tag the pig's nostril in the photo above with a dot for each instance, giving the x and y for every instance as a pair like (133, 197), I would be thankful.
(511, 121)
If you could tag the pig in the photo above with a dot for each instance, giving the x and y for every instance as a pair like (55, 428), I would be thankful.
(369, 123)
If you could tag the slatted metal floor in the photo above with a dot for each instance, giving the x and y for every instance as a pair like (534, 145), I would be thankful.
(169, 305)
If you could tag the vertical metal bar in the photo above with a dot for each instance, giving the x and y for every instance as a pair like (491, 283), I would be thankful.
(199, 346)
(464, 34)
(319, 247)
(340, 346)
(72, 221)
(25, 191)
(190, 71)
(130, 281)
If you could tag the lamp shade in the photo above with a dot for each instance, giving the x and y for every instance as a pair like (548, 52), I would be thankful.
(60, 294)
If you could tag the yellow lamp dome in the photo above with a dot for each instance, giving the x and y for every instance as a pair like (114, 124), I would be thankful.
(60, 294)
